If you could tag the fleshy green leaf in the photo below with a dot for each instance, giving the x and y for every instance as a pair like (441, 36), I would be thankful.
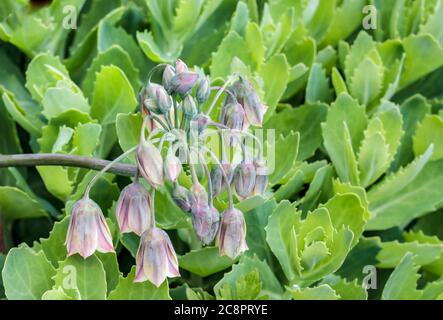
(192, 261)
(27, 274)
(127, 289)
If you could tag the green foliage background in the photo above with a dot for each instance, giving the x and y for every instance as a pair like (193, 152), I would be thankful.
(359, 150)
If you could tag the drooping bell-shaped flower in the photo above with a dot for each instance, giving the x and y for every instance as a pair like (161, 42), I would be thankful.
(203, 90)
(133, 209)
(244, 179)
(183, 82)
(173, 167)
(156, 258)
(249, 99)
(205, 222)
(182, 197)
(88, 231)
(150, 163)
(231, 238)
(233, 116)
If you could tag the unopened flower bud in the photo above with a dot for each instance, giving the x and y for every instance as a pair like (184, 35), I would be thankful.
(203, 90)
(182, 197)
(156, 258)
(245, 179)
(173, 167)
(150, 163)
(205, 221)
(183, 82)
(133, 209)
(168, 74)
(88, 231)
(203, 121)
(233, 116)
(261, 179)
(180, 66)
(189, 108)
(217, 180)
(199, 195)
(231, 238)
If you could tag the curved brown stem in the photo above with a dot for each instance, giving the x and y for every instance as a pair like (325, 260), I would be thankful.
(66, 160)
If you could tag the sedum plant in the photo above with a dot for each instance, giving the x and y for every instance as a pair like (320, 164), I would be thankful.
(188, 202)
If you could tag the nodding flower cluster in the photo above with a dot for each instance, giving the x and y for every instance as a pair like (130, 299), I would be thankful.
(170, 110)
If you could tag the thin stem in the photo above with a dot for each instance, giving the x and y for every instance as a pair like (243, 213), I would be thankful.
(65, 160)
(148, 78)
(225, 176)
(245, 133)
(153, 207)
(175, 113)
(106, 168)
(208, 175)
(217, 96)
(226, 90)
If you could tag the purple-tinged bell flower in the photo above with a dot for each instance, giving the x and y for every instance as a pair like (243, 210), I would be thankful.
(173, 167)
(168, 74)
(133, 209)
(248, 98)
(150, 163)
(233, 116)
(206, 223)
(156, 258)
(261, 178)
(244, 179)
(182, 197)
(203, 90)
(199, 196)
(183, 82)
(231, 238)
(88, 230)
(180, 66)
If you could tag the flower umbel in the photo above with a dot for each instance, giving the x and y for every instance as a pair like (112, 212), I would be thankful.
(88, 231)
